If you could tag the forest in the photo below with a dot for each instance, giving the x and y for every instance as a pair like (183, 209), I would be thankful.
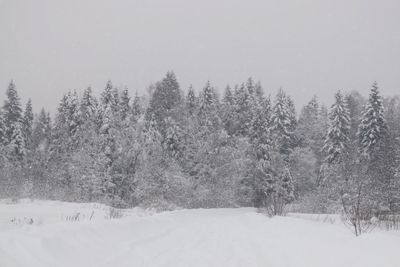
(185, 148)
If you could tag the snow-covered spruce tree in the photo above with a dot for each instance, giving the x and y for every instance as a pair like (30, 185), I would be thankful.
(281, 124)
(107, 122)
(173, 138)
(28, 124)
(2, 130)
(207, 98)
(259, 133)
(365, 185)
(88, 106)
(242, 110)
(376, 147)
(372, 128)
(227, 111)
(136, 109)
(307, 124)
(337, 138)
(209, 108)
(125, 108)
(191, 102)
(41, 131)
(165, 101)
(292, 119)
(355, 103)
(68, 122)
(17, 141)
(12, 111)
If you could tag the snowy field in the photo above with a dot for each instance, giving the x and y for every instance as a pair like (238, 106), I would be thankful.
(44, 233)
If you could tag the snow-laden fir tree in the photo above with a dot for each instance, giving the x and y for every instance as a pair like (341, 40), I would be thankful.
(12, 111)
(281, 123)
(2, 130)
(28, 123)
(308, 121)
(227, 111)
(136, 108)
(373, 127)
(172, 140)
(71, 114)
(337, 138)
(89, 105)
(207, 98)
(259, 132)
(242, 109)
(208, 108)
(41, 131)
(165, 101)
(227, 98)
(125, 108)
(17, 141)
(191, 101)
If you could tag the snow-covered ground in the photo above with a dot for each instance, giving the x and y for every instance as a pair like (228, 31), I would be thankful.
(42, 234)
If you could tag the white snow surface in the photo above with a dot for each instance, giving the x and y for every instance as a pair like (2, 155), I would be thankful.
(201, 237)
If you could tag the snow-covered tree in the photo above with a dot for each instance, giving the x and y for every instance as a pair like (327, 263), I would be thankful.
(12, 111)
(242, 109)
(28, 123)
(191, 102)
(275, 184)
(165, 101)
(172, 141)
(137, 109)
(281, 123)
(89, 105)
(17, 141)
(2, 130)
(373, 127)
(41, 131)
(337, 138)
(208, 100)
(125, 108)
(260, 129)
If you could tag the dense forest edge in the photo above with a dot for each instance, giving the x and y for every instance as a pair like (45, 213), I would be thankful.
(174, 148)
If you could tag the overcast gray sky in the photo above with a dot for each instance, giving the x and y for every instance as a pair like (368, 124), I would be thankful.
(306, 46)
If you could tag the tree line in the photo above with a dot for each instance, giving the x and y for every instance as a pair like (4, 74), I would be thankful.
(191, 149)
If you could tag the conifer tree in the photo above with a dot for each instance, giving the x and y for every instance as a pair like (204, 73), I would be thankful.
(281, 123)
(41, 131)
(373, 128)
(165, 101)
(259, 133)
(28, 123)
(17, 141)
(242, 103)
(191, 101)
(2, 130)
(67, 123)
(207, 98)
(12, 110)
(228, 96)
(125, 108)
(89, 105)
(228, 109)
(172, 141)
(337, 139)
(136, 108)
(208, 109)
